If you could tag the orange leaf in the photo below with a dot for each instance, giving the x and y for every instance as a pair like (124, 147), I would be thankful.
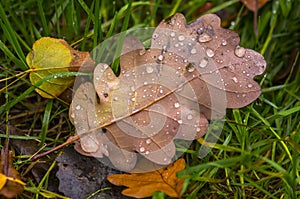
(10, 182)
(141, 185)
(2, 180)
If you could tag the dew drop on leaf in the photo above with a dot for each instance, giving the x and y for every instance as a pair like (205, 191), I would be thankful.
(181, 38)
(77, 107)
(190, 68)
(148, 141)
(149, 69)
(235, 80)
(132, 88)
(203, 63)
(193, 51)
(204, 38)
(160, 57)
(189, 116)
(210, 52)
(240, 51)
(142, 149)
(142, 52)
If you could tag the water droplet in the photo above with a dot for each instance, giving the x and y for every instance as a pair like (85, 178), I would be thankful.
(172, 34)
(147, 152)
(224, 42)
(116, 98)
(78, 107)
(179, 121)
(148, 141)
(203, 63)
(235, 80)
(165, 159)
(164, 48)
(145, 83)
(189, 116)
(176, 105)
(198, 129)
(133, 99)
(132, 88)
(250, 85)
(181, 38)
(190, 67)
(149, 69)
(142, 52)
(204, 38)
(210, 52)
(160, 57)
(105, 66)
(161, 91)
(109, 76)
(240, 51)
(142, 149)
(193, 51)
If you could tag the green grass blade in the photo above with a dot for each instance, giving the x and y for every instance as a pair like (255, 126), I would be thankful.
(10, 34)
(46, 121)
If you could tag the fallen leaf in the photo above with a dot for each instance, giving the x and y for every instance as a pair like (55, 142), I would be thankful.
(190, 75)
(10, 182)
(251, 4)
(50, 56)
(2, 180)
(142, 185)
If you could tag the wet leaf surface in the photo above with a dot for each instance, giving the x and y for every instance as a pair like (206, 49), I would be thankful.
(143, 185)
(189, 76)
(50, 56)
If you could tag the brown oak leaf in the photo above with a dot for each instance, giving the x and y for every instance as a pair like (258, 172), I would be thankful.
(142, 185)
(188, 76)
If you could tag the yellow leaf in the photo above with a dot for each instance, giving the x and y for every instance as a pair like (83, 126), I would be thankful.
(51, 56)
(10, 182)
(141, 185)
(2, 180)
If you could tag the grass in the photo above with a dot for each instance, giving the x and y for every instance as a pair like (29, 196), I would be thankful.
(258, 153)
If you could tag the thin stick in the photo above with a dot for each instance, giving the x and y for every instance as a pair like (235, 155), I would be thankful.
(69, 141)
